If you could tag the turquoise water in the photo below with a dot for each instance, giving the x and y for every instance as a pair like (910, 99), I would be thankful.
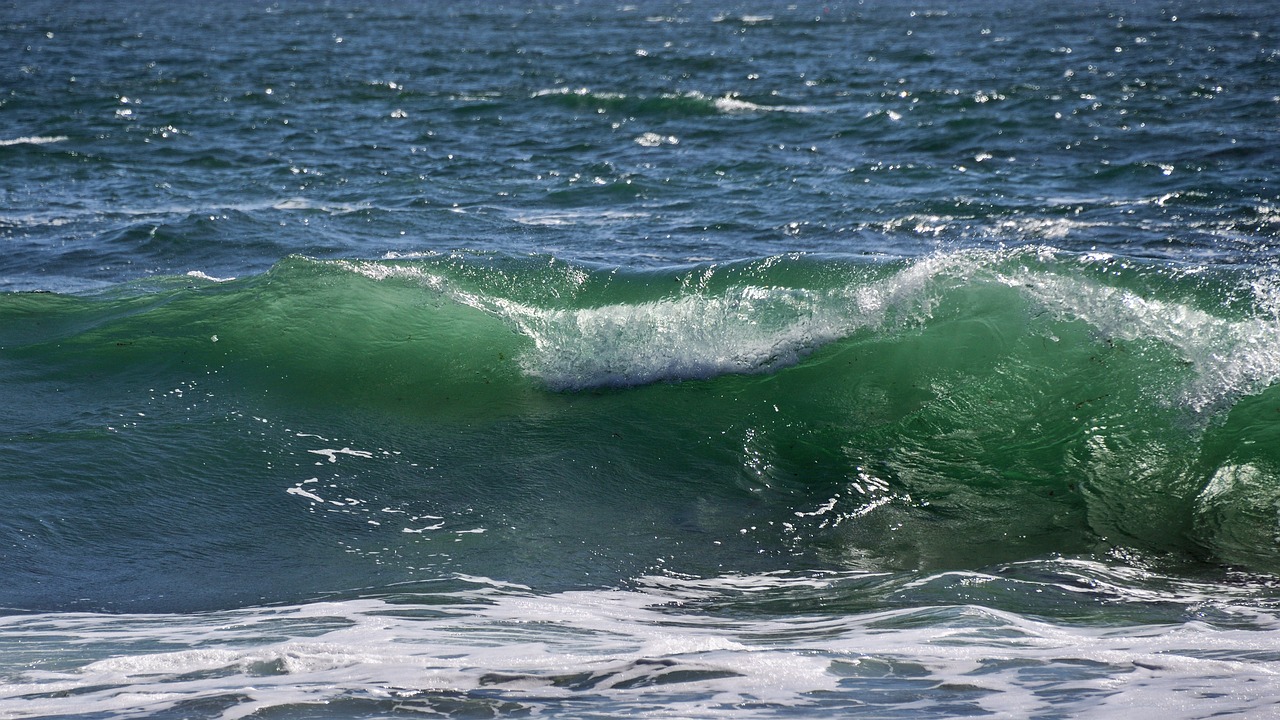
(590, 359)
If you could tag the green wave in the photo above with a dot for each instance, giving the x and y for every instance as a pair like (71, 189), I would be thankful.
(950, 411)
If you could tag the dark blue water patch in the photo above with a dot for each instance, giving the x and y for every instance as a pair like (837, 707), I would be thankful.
(699, 117)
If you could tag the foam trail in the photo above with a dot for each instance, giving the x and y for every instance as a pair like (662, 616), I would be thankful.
(33, 140)
(499, 648)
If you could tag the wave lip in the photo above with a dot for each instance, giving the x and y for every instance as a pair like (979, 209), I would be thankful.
(745, 329)
(679, 339)
(764, 315)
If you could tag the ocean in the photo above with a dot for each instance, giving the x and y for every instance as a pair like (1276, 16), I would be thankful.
(664, 358)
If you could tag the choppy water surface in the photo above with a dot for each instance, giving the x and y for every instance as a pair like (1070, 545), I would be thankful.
(586, 359)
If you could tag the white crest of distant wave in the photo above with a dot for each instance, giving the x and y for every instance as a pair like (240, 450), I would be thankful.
(33, 140)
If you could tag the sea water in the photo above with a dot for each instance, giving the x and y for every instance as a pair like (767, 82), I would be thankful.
(684, 359)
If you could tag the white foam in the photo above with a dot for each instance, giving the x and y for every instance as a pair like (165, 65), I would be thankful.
(685, 337)
(297, 490)
(648, 650)
(744, 19)
(332, 455)
(732, 103)
(574, 217)
(1050, 229)
(33, 140)
(300, 203)
(652, 139)
(580, 92)
(205, 276)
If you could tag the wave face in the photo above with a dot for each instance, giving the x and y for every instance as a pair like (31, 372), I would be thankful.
(559, 424)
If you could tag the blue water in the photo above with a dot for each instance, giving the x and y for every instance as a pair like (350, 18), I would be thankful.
(692, 359)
